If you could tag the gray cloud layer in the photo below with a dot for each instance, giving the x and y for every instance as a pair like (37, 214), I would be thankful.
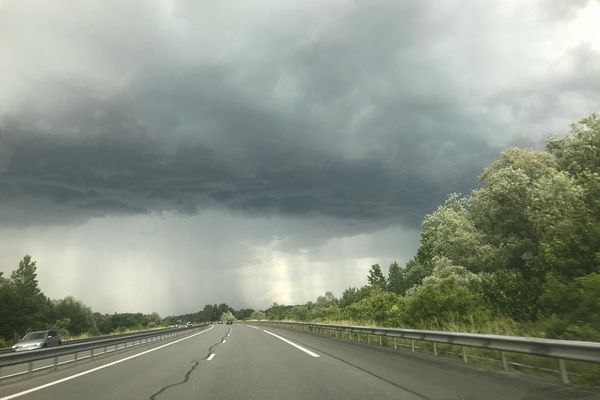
(275, 148)
(359, 111)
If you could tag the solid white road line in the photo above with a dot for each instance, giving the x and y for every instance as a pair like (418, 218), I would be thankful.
(310, 353)
(250, 326)
(224, 341)
(210, 357)
(89, 371)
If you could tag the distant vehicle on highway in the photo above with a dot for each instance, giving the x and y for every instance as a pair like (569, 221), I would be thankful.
(188, 324)
(220, 321)
(229, 322)
(38, 340)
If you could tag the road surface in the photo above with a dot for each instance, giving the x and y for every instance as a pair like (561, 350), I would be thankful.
(260, 362)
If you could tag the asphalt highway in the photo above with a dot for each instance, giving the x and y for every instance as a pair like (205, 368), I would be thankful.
(261, 362)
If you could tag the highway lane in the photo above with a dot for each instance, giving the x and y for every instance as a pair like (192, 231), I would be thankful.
(432, 378)
(233, 362)
(21, 369)
(130, 379)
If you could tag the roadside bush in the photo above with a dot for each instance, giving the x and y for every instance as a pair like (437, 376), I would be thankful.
(443, 300)
(375, 308)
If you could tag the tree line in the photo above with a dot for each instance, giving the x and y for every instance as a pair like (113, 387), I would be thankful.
(520, 254)
(24, 308)
(210, 312)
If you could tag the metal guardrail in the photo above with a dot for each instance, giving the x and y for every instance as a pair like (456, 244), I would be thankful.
(108, 345)
(561, 350)
(101, 337)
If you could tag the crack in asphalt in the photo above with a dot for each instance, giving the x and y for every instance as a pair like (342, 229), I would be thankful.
(189, 372)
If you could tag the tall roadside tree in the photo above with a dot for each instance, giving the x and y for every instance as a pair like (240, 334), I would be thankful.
(376, 277)
(575, 249)
(8, 308)
(395, 279)
(30, 308)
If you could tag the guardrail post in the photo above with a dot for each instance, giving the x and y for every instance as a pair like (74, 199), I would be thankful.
(55, 364)
(504, 363)
(75, 357)
(464, 351)
(395, 345)
(380, 343)
(92, 353)
(368, 338)
(30, 368)
(563, 371)
(435, 349)
(412, 345)
(104, 350)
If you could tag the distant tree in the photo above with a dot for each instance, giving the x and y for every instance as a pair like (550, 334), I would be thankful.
(354, 295)
(376, 278)
(25, 278)
(78, 315)
(30, 306)
(8, 308)
(278, 311)
(223, 308)
(243, 313)
(228, 316)
(327, 300)
(258, 315)
(395, 279)
(374, 308)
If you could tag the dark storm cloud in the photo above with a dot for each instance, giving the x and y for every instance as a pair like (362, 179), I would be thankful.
(84, 177)
(373, 115)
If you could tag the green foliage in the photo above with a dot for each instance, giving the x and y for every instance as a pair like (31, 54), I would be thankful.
(395, 279)
(375, 307)
(244, 313)
(227, 316)
(327, 300)
(450, 232)
(354, 295)
(414, 272)
(22, 304)
(277, 311)
(376, 278)
(442, 299)
(258, 315)
(579, 152)
(73, 316)
(571, 307)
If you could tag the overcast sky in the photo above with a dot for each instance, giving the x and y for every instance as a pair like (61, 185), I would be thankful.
(161, 155)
